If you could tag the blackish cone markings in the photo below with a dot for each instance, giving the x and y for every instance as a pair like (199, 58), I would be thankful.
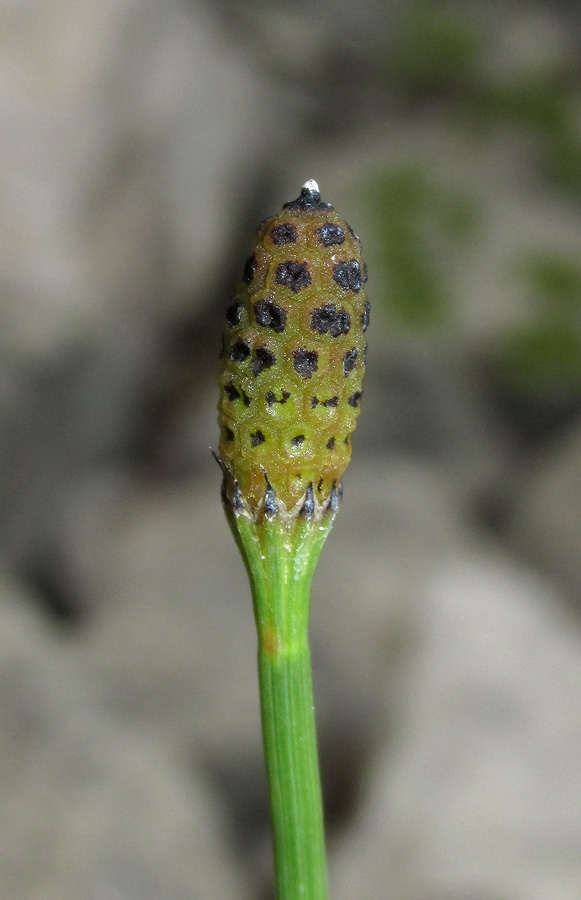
(293, 362)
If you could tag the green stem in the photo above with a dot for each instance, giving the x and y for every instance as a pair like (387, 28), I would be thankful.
(290, 750)
(280, 558)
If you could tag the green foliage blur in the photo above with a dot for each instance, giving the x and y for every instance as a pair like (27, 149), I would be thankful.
(442, 61)
(417, 221)
(546, 352)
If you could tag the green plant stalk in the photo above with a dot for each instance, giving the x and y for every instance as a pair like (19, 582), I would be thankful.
(280, 556)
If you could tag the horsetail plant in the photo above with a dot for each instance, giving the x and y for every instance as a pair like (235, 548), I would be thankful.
(292, 365)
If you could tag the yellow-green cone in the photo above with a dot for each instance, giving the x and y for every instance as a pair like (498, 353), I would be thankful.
(292, 363)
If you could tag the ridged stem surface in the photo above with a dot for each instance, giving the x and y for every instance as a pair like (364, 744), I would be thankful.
(280, 558)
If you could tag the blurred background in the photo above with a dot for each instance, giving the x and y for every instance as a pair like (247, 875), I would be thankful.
(141, 144)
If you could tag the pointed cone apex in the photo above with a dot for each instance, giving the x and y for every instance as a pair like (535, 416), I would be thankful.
(309, 198)
(311, 187)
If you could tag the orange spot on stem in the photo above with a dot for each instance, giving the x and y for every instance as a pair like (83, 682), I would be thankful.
(270, 641)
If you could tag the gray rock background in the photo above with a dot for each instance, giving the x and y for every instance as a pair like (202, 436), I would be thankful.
(141, 144)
